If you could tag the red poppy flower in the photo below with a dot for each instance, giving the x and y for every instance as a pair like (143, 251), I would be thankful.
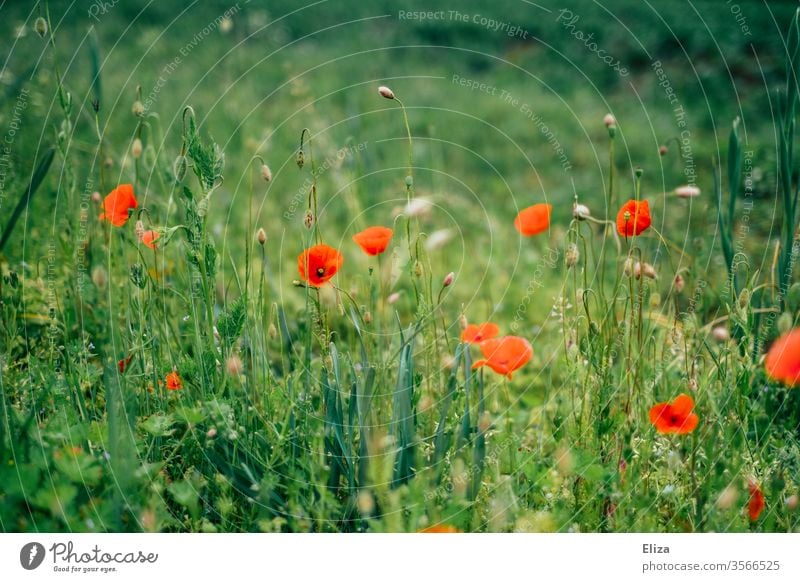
(149, 238)
(323, 262)
(117, 204)
(122, 365)
(374, 240)
(505, 355)
(475, 334)
(756, 503)
(674, 417)
(174, 381)
(633, 218)
(783, 358)
(533, 220)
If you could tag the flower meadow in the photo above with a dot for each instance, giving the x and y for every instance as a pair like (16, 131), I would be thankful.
(168, 364)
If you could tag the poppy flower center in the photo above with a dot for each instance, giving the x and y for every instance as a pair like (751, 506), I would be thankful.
(674, 419)
(320, 271)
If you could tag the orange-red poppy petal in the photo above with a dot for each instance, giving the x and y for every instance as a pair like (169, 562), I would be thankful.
(475, 334)
(374, 240)
(149, 238)
(783, 358)
(117, 204)
(323, 263)
(633, 218)
(533, 220)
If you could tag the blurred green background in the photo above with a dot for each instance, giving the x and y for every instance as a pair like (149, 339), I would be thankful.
(269, 69)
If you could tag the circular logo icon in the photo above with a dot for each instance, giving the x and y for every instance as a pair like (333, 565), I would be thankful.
(31, 555)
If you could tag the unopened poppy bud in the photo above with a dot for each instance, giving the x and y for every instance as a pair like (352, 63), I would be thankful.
(234, 365)
(308, 221)
(448, 280)
(627, 267)
(720, 333)
(179, 168)
(272, 331)
(329, 362)
(108, 162)
(728, 497)
(609, 120)
(662, 150)
(655, 300)
(687, 191)
(645, 269)
(638, 171)
(139, 229)
(300, 159)
(425, 404)
(572, 255)
(266, 173)
(744, 298)
(99, 277)
(386, 92)
(365, 502)
(97, 197)
(212, 432)
(785, 322)
(418, 270)
(261, 236)
(368, 317)
(792, 502)
(409, 181)
(462, 322)
(485, 422)
(580, 212)
(40, 26)
(137, 108)
(678, 283)
(136, 148)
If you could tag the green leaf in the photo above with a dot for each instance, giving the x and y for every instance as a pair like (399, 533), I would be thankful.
(159, 425)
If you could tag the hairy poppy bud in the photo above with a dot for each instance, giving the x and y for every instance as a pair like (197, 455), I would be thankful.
(179, 168)
(687, 191)
(791, 502)
(728, 497)
(139, 229)
(627, 267)
(365, 502)
(234, 365)
(418, 270)
(462, 322)
(212, 432)
(448, 280)
(138, 108)
(272, 331)
(99, 277)
(393, 298)
(368, 317)
(386, 92)
(744, 298)
(678, 283)
(261, 236)
(40, 26)
(720, 333)
(662, 150)
(580, 212)
(266, 173)
(136, 148)
(308, 221)
(97, 197)
(300, 159)
(572, 255)
(609, 120)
